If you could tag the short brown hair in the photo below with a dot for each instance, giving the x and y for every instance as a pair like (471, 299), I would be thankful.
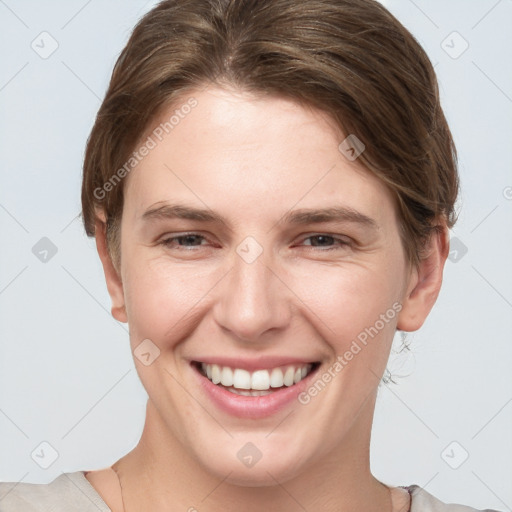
(349, 58)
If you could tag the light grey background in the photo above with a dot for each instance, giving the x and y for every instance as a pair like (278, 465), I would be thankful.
(66, 372)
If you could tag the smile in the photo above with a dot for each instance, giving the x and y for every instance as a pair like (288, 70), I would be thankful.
(253, 388)
(256, 383)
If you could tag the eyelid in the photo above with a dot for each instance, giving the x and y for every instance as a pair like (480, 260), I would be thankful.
(170, 237)
(340, 240)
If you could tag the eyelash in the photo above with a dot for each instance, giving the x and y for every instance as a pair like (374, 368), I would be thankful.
(340, 242)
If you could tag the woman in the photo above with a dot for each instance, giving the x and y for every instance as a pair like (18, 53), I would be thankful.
(270, 184)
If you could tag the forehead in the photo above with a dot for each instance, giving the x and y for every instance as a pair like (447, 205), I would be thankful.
(253, 154)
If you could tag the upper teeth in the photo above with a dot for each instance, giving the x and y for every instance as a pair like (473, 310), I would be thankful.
(259, 379)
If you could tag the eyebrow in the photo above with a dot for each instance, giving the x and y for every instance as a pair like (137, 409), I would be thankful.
(333, 214)
(177, 211)
(296, 217)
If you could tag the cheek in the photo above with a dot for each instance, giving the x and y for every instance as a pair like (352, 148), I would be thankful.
(348, 299)
(162, 299)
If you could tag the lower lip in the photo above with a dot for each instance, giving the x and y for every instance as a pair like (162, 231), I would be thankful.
(252, 406)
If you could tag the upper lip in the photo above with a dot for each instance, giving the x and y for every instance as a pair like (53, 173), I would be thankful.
(255, 363)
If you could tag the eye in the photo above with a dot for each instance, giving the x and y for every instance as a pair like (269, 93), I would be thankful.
(186, 241)
(326, 242)
(189, 241)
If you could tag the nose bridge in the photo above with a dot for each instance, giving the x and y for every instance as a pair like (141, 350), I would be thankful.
(252, 300)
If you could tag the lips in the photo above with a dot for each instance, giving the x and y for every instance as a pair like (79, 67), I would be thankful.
(255, 388)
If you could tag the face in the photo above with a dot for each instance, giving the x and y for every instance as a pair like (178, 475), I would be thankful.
(266, 273)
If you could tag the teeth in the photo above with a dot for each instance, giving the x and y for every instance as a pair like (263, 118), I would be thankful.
(216, 374)
(288, 376)
(256, 383)
(276, 378)
(241, 379)
(250, 392)
(260, 380)
(226, 376)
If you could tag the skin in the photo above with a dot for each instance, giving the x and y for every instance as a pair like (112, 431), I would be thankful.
(252, 160)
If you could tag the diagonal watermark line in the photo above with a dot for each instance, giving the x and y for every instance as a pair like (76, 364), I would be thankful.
(95, 405)
(85, 290)
(200, 404)
(280, 423)
(301, 301)
(486, 14)
(493, 287)
(14, 218)
(14, 76)
(75, 15)
(492, 81)
(478, 225)
(13, 13)
(216, 487)
(14, 486)
(403, 402)
(490, 490)
(411, 410)
(198, 301)
(205, 205)
(87, 496)
(169, 169)
(72, 72)
(92, 296)
(13, 279)
(286, 491)
(312, 187)
(69, 223)
(487, 423)
(424, 486)
(14, 423)
(424, 13)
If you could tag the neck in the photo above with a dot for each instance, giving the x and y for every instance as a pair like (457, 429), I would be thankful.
(159, 471)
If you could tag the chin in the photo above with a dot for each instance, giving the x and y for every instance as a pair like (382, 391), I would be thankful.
(248, 466)
(262, 475)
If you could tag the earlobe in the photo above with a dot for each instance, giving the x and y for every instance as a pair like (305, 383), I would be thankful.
(112, 277)
(425, 282)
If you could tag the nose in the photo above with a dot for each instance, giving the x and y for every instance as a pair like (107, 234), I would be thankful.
(253, 300)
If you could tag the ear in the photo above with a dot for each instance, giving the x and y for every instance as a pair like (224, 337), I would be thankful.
(425, 281)
(112, 278)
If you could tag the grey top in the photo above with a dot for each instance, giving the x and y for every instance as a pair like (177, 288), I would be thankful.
(72, 492)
